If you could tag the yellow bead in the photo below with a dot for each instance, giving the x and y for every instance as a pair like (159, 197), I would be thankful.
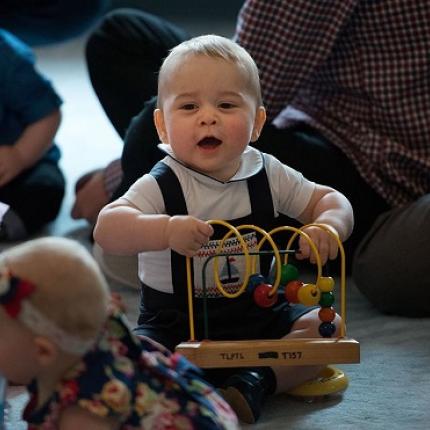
(309, 295)
(325, 284)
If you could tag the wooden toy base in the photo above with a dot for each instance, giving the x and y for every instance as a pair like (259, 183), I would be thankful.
(278, 352)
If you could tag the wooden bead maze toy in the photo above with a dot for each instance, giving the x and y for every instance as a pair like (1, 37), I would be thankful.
(274, 352)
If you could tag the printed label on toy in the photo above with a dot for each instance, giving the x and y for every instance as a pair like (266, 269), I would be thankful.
(231, 268)
(229, 356)
(266, 355)
(291, 355)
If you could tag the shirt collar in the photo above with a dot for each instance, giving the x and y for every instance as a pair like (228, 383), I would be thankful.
(252, 161)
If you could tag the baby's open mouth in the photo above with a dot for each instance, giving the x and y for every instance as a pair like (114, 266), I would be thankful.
(209, 142)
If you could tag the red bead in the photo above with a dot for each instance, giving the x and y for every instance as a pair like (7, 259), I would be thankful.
(291, 290)
(327, 314)
(262, 298)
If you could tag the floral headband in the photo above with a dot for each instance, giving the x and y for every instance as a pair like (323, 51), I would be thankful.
(14, 293)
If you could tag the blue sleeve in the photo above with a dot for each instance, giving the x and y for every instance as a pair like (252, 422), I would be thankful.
(25, 90)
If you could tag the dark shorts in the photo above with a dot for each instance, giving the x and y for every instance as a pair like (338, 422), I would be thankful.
(228, 319)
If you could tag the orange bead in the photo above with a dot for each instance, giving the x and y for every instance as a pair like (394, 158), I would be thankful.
(327, 314)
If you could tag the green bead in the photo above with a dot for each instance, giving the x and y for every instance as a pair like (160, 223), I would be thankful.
(289, 272)
(327, 299)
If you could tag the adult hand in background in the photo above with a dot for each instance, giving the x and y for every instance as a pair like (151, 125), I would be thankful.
(90, 197)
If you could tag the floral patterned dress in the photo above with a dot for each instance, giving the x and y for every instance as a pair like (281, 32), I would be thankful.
(135, 382)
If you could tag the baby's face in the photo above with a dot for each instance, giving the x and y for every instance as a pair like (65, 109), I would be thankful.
(17, 351)
(208, 114)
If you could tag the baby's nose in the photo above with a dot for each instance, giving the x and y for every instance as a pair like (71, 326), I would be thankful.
(208, 117)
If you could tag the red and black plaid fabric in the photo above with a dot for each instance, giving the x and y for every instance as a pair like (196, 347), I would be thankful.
(358, 71)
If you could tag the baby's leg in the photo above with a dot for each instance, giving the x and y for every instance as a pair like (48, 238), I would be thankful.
(288, 377)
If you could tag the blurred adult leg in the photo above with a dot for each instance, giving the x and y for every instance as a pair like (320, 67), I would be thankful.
(391, 265)
(36, 195)
(124, 55)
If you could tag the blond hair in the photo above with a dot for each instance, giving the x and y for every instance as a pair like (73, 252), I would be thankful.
(70, 289)
(215, 47)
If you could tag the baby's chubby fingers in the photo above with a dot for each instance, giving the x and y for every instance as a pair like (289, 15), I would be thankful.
(307, 251)
(328, 243)
(323, 250)
(204, 231)
(333, 249)
(324, 242)
(187, 234)
(304, 248)
(199, 236)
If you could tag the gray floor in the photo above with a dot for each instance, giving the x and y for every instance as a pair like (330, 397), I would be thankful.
(390, 389)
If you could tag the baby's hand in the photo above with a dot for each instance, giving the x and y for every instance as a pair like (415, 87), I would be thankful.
(327, 246)
(186, 234)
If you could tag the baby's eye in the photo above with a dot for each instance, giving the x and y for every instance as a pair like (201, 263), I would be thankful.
(226, 105)
(188, 106)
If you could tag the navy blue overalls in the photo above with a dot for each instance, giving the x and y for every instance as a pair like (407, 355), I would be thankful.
(164, 317)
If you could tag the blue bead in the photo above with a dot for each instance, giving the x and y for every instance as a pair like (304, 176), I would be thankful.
(254, 281)
(327, 329)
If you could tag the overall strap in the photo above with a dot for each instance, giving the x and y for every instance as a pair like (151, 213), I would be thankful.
(260, 195)
(171, 189)
(175, 204)
(262, 209)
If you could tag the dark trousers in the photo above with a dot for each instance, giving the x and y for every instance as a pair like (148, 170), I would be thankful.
(36, 194)
(124, 56)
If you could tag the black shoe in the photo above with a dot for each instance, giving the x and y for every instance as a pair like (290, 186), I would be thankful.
(246, 391)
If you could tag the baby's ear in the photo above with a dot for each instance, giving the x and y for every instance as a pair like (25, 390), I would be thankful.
(46, 350)
(260, 119)
(160, 125)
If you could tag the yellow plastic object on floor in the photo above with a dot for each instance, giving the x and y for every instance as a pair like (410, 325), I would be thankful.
(330, 381)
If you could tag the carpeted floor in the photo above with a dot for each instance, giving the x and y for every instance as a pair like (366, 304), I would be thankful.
(389, 389)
